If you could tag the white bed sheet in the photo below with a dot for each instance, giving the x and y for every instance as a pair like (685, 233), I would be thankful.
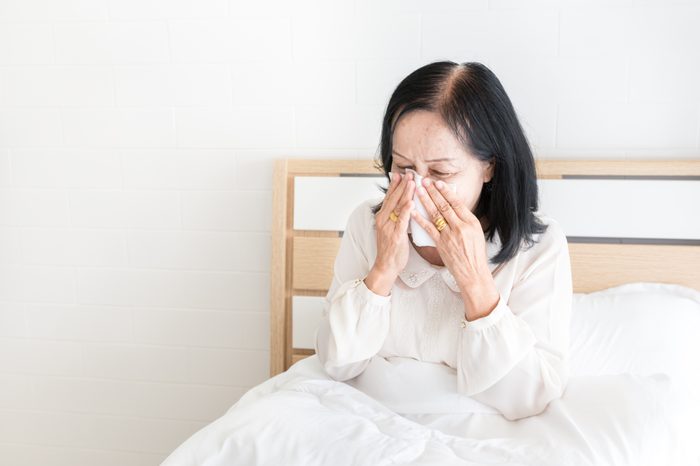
(303, 417)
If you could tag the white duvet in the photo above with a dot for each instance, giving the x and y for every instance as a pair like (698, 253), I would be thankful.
(402, 411)
(302, 417)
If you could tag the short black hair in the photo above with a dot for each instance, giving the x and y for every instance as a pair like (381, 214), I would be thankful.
(474, 105)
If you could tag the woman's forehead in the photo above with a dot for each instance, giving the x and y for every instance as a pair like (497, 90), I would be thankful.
(423, 136)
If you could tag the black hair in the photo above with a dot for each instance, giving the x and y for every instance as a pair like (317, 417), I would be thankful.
(474, 105)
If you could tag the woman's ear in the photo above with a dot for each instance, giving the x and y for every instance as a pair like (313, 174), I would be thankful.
(488, 173)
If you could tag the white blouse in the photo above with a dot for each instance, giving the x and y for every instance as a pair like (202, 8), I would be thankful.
(516, 359)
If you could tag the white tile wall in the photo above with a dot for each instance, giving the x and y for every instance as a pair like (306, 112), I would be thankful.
(136, 148)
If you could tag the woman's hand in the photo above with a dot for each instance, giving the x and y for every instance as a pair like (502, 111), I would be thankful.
(392, 236)
(461, 245)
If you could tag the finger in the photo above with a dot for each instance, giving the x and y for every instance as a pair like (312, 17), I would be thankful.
(394, 182)
(458, 205)
(442, 206)
(391, 201)
(427, 226)
(405, 216)
(401, 212)
(410, 189)
(430, 208)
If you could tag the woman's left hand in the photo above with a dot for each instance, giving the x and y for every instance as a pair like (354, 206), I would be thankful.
(461, 245)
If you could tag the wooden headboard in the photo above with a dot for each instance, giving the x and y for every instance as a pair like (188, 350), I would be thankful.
(303, 256)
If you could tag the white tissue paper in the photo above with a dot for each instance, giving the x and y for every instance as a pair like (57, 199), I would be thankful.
(419, 235)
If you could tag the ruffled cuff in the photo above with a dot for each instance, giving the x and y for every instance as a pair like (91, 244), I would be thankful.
(365, 294)
(489, 320)
(370, 296)
(490, 347)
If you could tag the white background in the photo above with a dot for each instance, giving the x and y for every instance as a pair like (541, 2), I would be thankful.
(136, 139)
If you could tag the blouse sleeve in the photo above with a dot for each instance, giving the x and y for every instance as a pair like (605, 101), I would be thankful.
(355, 320)
(516, 359)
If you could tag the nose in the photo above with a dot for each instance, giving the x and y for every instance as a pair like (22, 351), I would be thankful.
(416, 176)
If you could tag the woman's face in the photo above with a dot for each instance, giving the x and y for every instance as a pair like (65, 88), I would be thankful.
(423, 142)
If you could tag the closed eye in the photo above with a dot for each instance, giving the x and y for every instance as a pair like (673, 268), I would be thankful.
(441, 174)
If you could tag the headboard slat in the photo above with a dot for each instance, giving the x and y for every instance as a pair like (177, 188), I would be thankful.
(599, 266)
(313, 262)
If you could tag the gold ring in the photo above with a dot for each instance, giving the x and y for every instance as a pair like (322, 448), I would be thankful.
(440, 223)
(393, 217)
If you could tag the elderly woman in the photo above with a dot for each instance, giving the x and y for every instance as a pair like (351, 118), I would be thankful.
(492, 297)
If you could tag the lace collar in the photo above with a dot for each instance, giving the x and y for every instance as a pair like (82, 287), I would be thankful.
(418, 270)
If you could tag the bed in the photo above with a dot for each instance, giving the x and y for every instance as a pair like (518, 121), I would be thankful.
(633, 397)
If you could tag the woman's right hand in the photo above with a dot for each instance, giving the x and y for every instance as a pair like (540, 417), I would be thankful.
(392, 237)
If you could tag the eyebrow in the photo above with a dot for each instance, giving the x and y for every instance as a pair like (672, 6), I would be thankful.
(433, 160)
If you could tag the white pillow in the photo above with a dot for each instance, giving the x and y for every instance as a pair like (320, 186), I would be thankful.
(640, 328)
(637, 328)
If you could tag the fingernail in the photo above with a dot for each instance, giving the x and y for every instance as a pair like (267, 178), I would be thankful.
(426, 181)
(440, 184)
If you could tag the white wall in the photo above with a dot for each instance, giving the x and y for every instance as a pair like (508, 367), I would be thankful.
(136, 139)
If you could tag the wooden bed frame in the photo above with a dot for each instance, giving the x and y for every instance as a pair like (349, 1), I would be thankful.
(302, 260)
